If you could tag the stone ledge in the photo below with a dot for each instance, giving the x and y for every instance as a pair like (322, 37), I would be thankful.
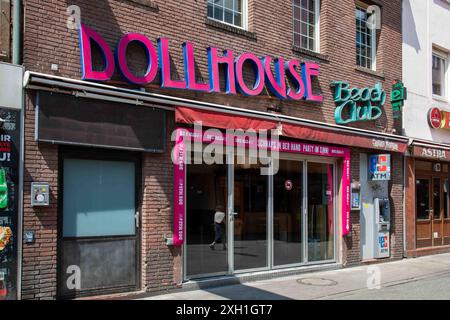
(309, 53)
(223, 26)
(370, 72)
(147, 3)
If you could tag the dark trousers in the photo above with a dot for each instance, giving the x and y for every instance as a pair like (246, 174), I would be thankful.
(219, 231)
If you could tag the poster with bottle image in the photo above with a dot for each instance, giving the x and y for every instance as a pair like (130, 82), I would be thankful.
(9, 205)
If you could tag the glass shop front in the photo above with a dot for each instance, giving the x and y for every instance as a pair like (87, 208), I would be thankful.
(240, 220)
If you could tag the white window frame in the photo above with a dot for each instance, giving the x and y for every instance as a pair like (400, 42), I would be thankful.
(444, 57)
(373, 36)
(316, 26)
(244, 17)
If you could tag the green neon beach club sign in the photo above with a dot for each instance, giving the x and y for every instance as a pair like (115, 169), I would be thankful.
(355, 104)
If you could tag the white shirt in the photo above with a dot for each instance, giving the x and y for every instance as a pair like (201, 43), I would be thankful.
(219, 216)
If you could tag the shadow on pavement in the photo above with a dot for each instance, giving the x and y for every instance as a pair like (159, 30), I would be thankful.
(244, 292)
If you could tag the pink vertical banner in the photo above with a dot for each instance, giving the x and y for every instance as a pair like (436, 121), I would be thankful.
(330, 195)
(179, 177)
(346, 194)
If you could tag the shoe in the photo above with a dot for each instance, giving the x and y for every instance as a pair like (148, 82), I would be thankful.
(212, 246)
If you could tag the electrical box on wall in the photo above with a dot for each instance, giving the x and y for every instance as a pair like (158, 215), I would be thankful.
(40, 194)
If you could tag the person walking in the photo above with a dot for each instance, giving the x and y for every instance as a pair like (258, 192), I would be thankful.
(219, 228)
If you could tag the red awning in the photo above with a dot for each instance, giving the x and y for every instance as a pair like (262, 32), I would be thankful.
(225, 121)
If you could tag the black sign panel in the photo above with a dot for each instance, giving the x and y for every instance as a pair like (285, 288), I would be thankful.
(9, 201)
(68, 119)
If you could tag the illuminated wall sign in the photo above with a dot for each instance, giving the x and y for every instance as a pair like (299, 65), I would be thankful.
(380, 167)
(398, 97)
(438, 119)
(354, 104)
(299, 74)
(445, 124)
(434, 118)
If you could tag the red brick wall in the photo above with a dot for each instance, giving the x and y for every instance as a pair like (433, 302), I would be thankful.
(161, 264)
(39, 259)
(396, 195)
(47, 40)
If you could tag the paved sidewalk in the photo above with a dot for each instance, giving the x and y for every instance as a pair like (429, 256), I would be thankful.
(419, 278)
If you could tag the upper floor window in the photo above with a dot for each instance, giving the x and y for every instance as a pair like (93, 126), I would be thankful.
(306, 24)
(438, 74)
(365, 39)
(233, 12)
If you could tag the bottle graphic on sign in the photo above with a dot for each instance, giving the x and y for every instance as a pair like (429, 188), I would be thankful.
(3, 189)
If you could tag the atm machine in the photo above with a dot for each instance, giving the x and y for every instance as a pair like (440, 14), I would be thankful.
(375, 212)
(382, 225)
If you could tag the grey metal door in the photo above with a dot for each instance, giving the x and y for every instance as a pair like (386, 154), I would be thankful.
(98, 247)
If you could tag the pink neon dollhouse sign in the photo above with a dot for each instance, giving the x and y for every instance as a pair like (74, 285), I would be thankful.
(158, 58)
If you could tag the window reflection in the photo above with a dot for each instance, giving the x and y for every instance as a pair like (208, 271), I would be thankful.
(205, 196)
(446, 194)
(437, 198)
(320, 212)
(422, 198)
(287, 213)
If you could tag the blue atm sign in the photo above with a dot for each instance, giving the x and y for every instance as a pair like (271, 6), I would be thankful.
(380, 167)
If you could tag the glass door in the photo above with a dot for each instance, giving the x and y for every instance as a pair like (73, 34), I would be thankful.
(446, 211)
(239, 219)
(249, 218)
(288, 193)
(424, 212)
(320, 211)
(437, 213)
(206, 250)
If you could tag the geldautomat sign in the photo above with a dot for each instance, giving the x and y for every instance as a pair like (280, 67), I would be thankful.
(298, 73)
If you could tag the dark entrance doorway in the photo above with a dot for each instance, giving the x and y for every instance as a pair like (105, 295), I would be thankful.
(99, 222)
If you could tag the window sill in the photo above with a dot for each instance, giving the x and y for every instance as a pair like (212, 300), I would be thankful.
(311, 54)
(229, 28)
(440, 98)
(147, 3)
(377, 74)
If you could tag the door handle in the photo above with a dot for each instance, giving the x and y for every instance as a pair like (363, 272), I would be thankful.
(136, 219)
(233, 215)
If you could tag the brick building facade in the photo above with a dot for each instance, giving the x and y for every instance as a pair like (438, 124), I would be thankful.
(48, 41)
